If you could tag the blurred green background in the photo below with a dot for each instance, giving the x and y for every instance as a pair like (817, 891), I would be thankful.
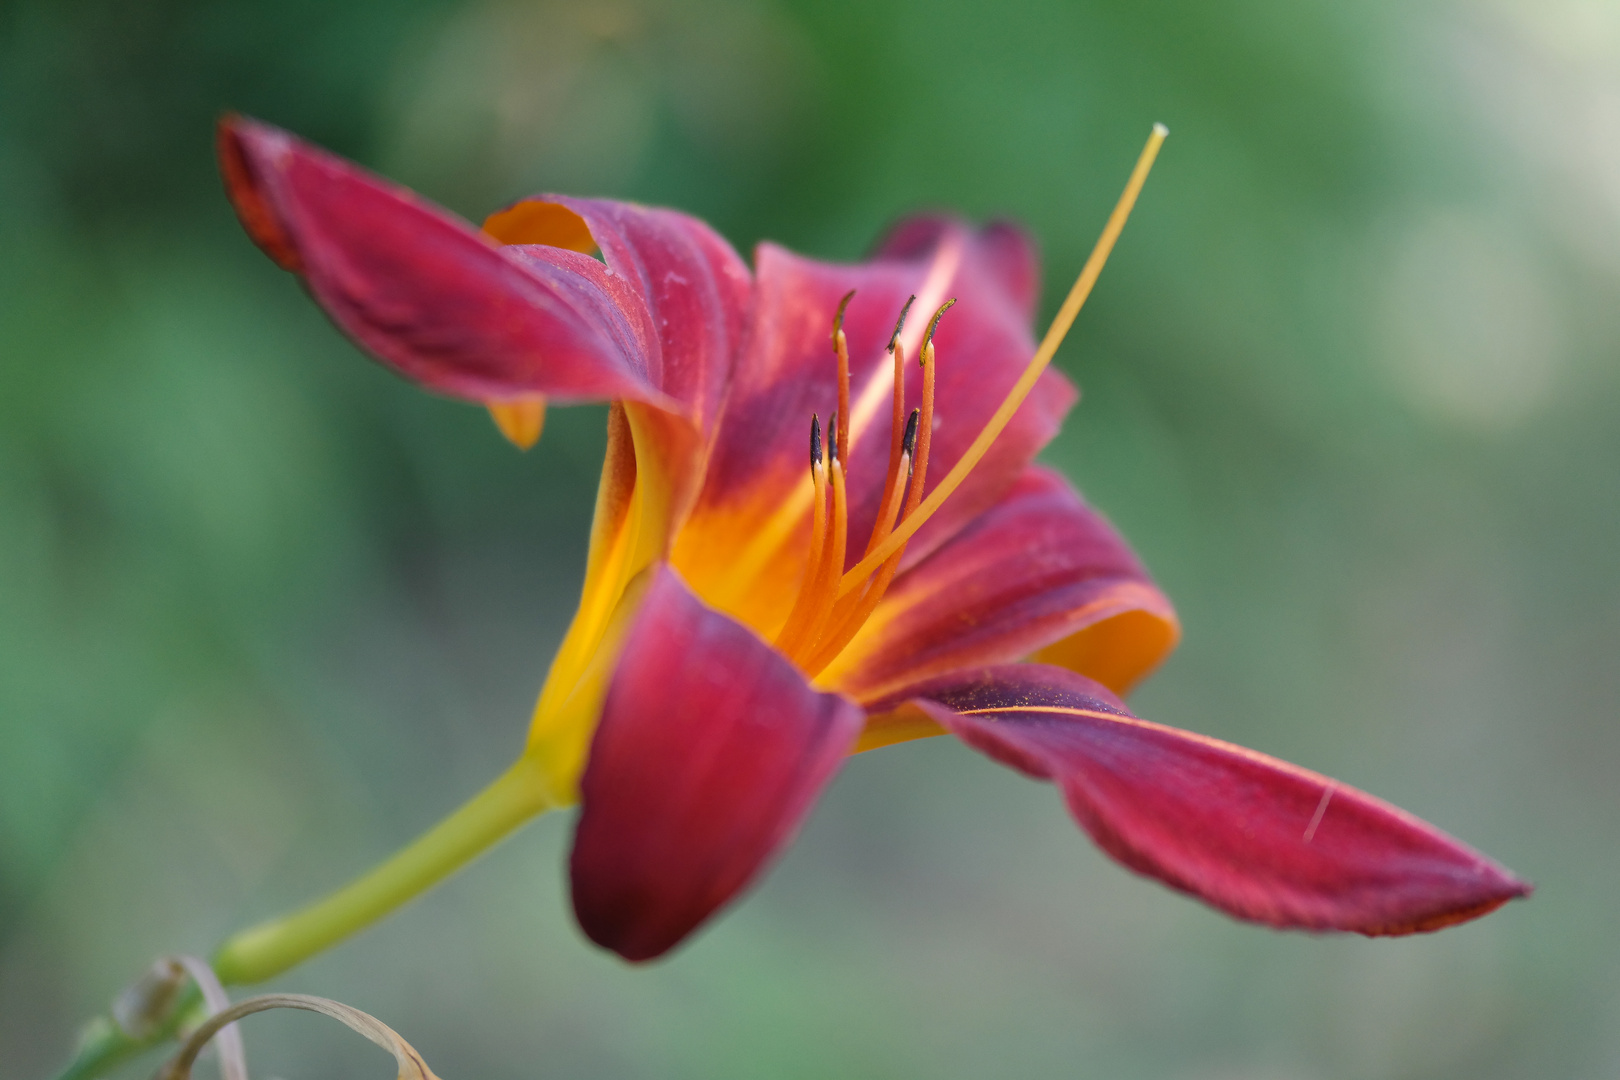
(266, 611)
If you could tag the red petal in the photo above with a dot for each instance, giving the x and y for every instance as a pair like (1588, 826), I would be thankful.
(710, 752)
(788, 372)
(1256, 837)
(695, 287)
(1008, 253)
(1035, 569)
(429, 294)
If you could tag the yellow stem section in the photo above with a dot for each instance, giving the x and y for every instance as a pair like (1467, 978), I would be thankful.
(1026, 382)
(266, 950)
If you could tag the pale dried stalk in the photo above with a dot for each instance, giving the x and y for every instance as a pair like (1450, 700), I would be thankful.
(228, 1041)
(411, 1065)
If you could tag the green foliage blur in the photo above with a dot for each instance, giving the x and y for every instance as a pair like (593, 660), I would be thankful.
(1350, 384)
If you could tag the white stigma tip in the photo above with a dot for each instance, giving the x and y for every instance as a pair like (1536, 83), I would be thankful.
(1160, 130)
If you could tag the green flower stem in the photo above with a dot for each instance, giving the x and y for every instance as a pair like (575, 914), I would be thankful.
(266, 950)
(103, 1047)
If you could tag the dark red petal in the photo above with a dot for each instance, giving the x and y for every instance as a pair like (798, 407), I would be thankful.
(1256, 837)
(428, 293)
(710, 752)
(1035, 569)
(788, 372)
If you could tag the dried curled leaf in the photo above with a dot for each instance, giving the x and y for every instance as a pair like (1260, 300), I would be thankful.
(227, 1040)
(411, 1065)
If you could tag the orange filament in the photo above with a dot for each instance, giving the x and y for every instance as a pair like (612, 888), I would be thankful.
(832, 560)
(901, 452)
(848, 603)
(857, 607)
(866, 603)
(998, 422)
(841, 350)
(897, 349)
(892, 484)
(925, 425)
(892, 492)
(818, 540)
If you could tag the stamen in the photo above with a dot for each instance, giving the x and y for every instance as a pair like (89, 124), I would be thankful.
(818, 539)
(846, 605)
(841, 350)
(854, 608)
(900, 323)
(818, 592)
(998, 422)
(855, 617)
(933, 324)
(925, 419)
(893, 490)
(865, 405)
(832, 563)
(898, 349)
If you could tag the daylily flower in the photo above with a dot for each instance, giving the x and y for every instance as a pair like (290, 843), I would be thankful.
(752, 615)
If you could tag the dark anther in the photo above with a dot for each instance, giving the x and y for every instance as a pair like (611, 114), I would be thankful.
(815, 441)
(832, 444)
(934, 325)
(909, 442)
(838, 319)
(894, 338)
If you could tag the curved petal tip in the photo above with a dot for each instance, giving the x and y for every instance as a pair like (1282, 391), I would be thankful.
(240, 142)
